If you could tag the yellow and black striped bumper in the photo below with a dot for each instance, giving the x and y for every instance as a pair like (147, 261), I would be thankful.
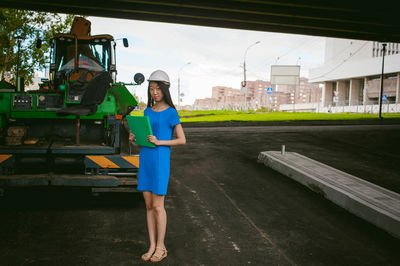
(112, 161)
(6, 160)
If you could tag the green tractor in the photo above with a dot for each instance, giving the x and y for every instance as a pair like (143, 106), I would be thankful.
(72, 130)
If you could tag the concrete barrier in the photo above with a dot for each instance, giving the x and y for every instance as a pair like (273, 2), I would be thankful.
(373, 203)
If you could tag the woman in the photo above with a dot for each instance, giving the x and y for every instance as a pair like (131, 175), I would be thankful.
(155, 162)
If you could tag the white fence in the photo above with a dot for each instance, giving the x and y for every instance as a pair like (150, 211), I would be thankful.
(318, 108)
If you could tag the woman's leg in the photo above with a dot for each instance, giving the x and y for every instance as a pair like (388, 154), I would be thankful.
(151, 220)
(161, 220)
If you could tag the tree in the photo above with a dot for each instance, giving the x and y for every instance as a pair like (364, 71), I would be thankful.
(27, 26)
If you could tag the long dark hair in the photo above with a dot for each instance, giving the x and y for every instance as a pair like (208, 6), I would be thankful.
(167, 96)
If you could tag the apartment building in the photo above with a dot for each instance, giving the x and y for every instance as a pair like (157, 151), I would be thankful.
(351, 73)
(257, 96)
(206, 104)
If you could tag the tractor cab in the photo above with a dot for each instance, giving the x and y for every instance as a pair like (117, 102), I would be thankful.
(91, 53)
(75, 60)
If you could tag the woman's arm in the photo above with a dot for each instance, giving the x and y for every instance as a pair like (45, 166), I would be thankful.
(180, 138)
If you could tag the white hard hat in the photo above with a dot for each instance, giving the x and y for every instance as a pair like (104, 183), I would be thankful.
(159, 75)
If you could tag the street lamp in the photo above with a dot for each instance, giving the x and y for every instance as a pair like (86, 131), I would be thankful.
(382, 76)
(179, 84)
(244, 73)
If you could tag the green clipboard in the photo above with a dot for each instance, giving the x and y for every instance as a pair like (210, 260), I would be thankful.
(141, 128)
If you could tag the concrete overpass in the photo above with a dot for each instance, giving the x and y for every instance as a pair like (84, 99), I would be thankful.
(340, 18)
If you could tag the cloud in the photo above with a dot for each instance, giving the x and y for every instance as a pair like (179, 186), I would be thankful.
(216, 54)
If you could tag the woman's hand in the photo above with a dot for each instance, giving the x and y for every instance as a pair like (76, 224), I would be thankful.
(180, 140)
(132, 137)
(153, 139)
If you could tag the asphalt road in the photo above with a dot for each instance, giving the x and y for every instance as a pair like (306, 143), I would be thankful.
(223, 207)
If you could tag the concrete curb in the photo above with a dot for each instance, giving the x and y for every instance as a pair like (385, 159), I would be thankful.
(373, 203)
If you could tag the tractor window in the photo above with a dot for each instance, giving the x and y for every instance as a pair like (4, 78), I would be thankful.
(93, 55)
(101, 55)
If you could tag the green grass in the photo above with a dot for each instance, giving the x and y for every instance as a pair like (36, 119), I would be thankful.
(185, 113)
(137, 113)
(228, 116)
(212, 112)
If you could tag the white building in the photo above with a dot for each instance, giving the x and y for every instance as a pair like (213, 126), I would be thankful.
(351, 74)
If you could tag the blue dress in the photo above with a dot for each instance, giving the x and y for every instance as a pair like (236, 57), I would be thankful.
(154, 163)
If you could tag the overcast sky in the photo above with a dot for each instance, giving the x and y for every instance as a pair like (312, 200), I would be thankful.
(216, 54)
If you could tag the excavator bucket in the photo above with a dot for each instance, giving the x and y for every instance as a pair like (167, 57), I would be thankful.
(80, 27)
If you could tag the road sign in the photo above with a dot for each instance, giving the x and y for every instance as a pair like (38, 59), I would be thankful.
(269, 90)
(285, 74)
(243, 87)
(384, 97)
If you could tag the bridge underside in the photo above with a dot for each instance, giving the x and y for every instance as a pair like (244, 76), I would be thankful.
(341, 19)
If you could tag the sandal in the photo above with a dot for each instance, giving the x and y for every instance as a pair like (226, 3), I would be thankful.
(157, 258)
(147, 256)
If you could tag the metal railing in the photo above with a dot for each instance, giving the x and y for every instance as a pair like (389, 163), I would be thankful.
(370, 107)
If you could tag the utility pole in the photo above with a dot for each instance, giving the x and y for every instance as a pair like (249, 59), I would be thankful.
(382, 76)
(179, 85)
(179, 92)
(244, 83)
